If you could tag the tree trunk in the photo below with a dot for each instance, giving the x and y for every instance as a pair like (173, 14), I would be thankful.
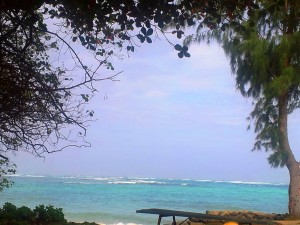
(290, 161)
(294, 190)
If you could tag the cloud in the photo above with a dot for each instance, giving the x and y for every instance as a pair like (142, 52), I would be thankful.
(177, 92)
(156, 94)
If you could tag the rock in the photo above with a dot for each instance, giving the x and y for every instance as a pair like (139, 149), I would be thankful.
(214, 212)
(244, 214)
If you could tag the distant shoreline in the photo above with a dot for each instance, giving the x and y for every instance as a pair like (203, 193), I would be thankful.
(137, 179)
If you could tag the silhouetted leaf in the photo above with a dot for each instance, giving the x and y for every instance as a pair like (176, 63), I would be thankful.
(180, 54)
(143, 30)
(149, 31)
(178, 47)
(81, 39)
(186, 54)
(148, 24)
(149, 40)
(185, 48)
(160, 24)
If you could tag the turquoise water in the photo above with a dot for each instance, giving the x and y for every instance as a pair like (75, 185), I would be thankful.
(113, 200)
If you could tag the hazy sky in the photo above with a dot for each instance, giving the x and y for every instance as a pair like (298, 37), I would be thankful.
(171, 118)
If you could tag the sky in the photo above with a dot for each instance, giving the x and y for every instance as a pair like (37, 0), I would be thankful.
(168, 118)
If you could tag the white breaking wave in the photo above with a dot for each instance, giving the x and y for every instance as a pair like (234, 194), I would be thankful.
(99, 178)
(135, 182)
(34, 176)
(13, 175)
(77, 182)
(142, 178)
(249, 182)
(102, 178)
(122, 182)
(204, 180)
(70, 177)
(23, 175)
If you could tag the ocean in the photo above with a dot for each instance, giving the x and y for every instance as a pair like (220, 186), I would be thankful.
(114, 200)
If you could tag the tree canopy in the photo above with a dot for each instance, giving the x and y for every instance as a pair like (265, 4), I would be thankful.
(43, 100)
(263, 47)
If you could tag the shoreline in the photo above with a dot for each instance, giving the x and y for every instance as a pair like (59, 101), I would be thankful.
(280, 219)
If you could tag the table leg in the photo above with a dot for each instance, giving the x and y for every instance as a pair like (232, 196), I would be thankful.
(159, 220)
(174, 221)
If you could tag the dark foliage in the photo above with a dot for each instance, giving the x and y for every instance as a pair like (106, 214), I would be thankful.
(43, 100)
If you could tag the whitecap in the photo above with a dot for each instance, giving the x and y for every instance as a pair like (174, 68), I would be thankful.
(142, 178)
(204, 180)
(148, 182)
(14, 175)
(100, 178)
(122, 182)
(69, 177)
(249, 182)
(34, 175)
(79, 182)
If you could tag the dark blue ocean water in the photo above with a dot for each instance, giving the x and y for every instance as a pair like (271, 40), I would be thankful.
(113, 200)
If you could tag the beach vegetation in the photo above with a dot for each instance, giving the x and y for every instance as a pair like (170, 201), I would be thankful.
(263, 46)
(40, 215)
(13, 215)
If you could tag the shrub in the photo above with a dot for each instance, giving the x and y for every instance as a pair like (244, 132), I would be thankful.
(48, 214)
(24, 213)
(55, 214)
(9, 211)
(40, 213)
(12, 215)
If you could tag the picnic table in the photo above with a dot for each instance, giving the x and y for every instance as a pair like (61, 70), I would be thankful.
(203, 217)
